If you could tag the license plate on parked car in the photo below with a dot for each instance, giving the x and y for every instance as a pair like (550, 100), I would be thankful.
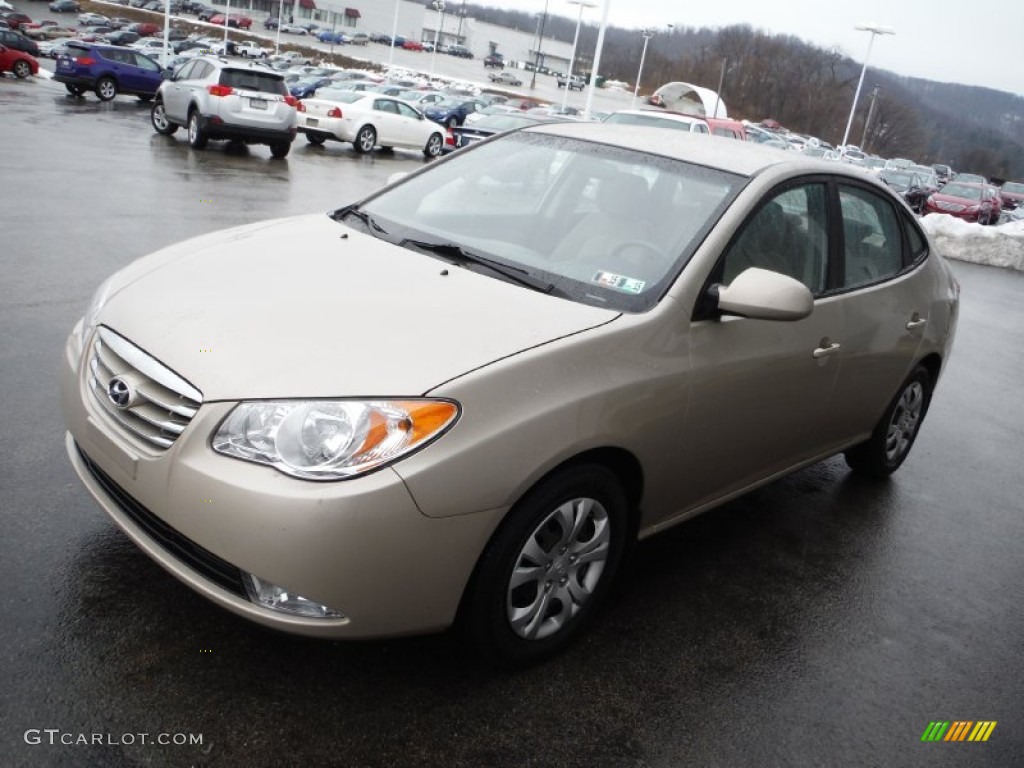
(312, 122)
(258, 103)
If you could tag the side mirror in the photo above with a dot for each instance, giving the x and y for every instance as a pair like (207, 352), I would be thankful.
(761, 294)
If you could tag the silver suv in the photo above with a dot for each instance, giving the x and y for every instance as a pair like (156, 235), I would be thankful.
(217, 99)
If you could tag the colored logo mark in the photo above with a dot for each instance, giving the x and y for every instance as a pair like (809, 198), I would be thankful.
(958, 730)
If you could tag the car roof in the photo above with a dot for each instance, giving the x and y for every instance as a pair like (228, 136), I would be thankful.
(742, 158)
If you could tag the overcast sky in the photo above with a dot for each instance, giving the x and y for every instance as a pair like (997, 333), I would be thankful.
(974, 43)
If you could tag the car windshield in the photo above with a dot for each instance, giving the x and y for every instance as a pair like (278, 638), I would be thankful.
(606, 226)
(342, 95)
(966, 191)
(627, 118)
(504, 122)
(896, 178)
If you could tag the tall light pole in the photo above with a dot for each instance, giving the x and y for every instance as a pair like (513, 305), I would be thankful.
(439, 4)
(867, 123)
(394, 34)
(280, 21)
(575, 40)
(874, 29)
(462, 18)
(540, 44)
(227, 14)
(648, 34)
(597, 59)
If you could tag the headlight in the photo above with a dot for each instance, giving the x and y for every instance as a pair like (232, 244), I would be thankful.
(92, 313)
(331, 439)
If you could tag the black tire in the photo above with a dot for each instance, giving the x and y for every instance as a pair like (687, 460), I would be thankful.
(74, 90)
(563, 597)
(893, 437)
(197, 138)
(280, 149)
(145, 98)
(106, 88)
(315, 139)
(366, 139)
(158, 118)
(21, 69)
(434, 145)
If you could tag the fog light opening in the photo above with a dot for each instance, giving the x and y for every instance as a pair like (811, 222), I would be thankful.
(278, 598)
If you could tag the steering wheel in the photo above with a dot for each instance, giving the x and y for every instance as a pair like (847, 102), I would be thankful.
(646, 253)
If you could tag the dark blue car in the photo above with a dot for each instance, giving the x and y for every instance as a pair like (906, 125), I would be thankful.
(307, 86)
(453, 112)
(108, 70)
(327, 36)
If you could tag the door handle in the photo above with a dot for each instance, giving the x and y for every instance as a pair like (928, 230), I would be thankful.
(825, 349)
(916, 321)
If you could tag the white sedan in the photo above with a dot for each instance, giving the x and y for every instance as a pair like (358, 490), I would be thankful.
(368, 120)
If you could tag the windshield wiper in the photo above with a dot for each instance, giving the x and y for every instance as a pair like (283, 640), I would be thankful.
(459, 254)
(363, 216)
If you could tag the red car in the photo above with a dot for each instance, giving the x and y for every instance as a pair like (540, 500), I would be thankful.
(17, 20)
(18, 62)
(412, 45)
(967, 201)
(235, 20)
(144, 29)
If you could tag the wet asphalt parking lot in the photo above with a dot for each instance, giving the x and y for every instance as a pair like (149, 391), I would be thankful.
(821, 620)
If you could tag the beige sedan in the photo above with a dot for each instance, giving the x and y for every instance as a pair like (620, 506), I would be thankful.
(465, 395)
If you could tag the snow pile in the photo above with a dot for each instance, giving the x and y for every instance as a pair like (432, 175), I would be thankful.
(998, 246)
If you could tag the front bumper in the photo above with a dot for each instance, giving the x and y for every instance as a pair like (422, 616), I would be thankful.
(361, 546)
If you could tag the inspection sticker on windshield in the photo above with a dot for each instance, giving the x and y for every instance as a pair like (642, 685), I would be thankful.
(627, 284)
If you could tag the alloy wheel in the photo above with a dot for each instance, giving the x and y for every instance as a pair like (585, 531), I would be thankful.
(904, 422)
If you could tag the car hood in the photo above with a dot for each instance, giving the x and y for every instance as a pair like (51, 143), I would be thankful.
(307, 307)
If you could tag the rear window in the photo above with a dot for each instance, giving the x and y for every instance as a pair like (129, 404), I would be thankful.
(250, 80)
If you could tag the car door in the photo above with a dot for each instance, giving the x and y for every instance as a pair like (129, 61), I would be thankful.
(177, 94)
(886, 296)
(411, 124)
(146, 73)
(385, 120)
(760, 388)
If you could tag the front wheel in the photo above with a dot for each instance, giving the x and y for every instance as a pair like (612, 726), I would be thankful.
(366, 139)
(315, 139)
(890, 442)
(548, 567)
(434, 144)
(106, 88)
(21, 69)
(197, 137)
(74, 90)
(280, 149)
(158, 117)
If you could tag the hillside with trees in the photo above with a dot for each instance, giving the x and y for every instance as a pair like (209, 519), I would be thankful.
(809, 89)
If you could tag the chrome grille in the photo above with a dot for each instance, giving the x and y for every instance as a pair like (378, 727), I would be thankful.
(161, 403)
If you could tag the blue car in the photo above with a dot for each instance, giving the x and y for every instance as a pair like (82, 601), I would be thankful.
(453, 112)
(308, 86)
(108, 70)
(332, 37)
